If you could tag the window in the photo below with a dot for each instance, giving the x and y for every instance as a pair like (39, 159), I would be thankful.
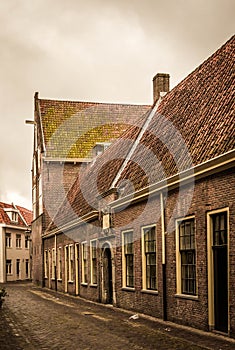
(8, 240)
(100, 147)
(40, 204)
(12, 214)
(59, 264)
(45, 263)
(27, 274)
(94, 262)
(8, 267)
(53, 264)
(71, 262)
(27, 242)
(34, 195)
(149, 258)
(84, 263)
(187, 257)
(18, 241)
(128, 259)
(17, 268)
(219, 224)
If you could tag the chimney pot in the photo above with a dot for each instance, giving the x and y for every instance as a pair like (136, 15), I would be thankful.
(161, 85)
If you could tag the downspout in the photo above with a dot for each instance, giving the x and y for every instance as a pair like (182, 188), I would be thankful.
(164, 294)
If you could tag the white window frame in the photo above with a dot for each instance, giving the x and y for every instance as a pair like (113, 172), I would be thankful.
(18, 241)
(59, 264)
(8, 240)
(40, 204)
(124, 261)
(46, 259)
(178, 259)
(144, 259)
(71, 262)
(34, 195)
(93, 261)
(9, 267)
(53, 257)
(84, 263)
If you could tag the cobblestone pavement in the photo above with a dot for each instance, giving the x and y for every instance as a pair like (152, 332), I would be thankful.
(35, 318)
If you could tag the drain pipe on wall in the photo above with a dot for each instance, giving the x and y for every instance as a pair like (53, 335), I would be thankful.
(164, 298)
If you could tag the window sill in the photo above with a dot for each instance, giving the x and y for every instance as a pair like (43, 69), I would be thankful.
(187, 296)
(94, 285)
(70, 282)
(128, 289)
(149, 291)
(84, 284)
(59, 279)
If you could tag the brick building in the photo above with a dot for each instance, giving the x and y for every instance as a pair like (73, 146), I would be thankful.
(149, 224)
(67, 137)
(15, 246)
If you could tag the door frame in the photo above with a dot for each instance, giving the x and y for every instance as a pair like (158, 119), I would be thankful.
(108, 245)
(211, 306)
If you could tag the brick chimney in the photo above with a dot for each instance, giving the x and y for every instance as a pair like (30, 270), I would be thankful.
(161, 84)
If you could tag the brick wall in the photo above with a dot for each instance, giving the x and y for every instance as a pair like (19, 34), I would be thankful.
(211, 193)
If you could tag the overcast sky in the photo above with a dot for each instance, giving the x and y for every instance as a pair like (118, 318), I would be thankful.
(93, 50)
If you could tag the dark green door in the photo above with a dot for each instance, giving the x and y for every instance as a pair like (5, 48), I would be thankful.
(108, 283)
(220, 260)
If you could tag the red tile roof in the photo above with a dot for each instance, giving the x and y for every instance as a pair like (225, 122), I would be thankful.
(193, 124)
(202, 109)
(4, 218)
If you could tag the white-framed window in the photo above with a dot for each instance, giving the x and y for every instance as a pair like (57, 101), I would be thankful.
(128, 259)
(18, 240)
(84, 263)
(93, 257)
(53, 263)
(45, 263)
(12, 214)
(9, 267)
(27, 270)
(149, 257)
(40, 204)
(100, 147)
(59, 260)
(71, 262)
(34, 196)
(8, 240)
(186, 256)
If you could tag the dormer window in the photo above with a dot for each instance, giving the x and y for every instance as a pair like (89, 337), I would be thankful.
(12, 214)
(100, 147)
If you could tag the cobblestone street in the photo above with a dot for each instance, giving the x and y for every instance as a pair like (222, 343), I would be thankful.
(35, 318)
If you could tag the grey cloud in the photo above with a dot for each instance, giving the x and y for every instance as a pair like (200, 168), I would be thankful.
(65, 49)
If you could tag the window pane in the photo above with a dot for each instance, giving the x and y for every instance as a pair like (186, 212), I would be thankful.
(219, 227)
(188, 257)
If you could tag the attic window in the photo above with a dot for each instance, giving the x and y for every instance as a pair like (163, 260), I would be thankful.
(12, 214)
(100, 147)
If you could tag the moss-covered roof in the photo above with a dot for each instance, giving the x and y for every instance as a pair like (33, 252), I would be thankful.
(71, 129)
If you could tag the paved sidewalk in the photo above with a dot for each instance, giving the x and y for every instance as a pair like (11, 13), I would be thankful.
(36, 318)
